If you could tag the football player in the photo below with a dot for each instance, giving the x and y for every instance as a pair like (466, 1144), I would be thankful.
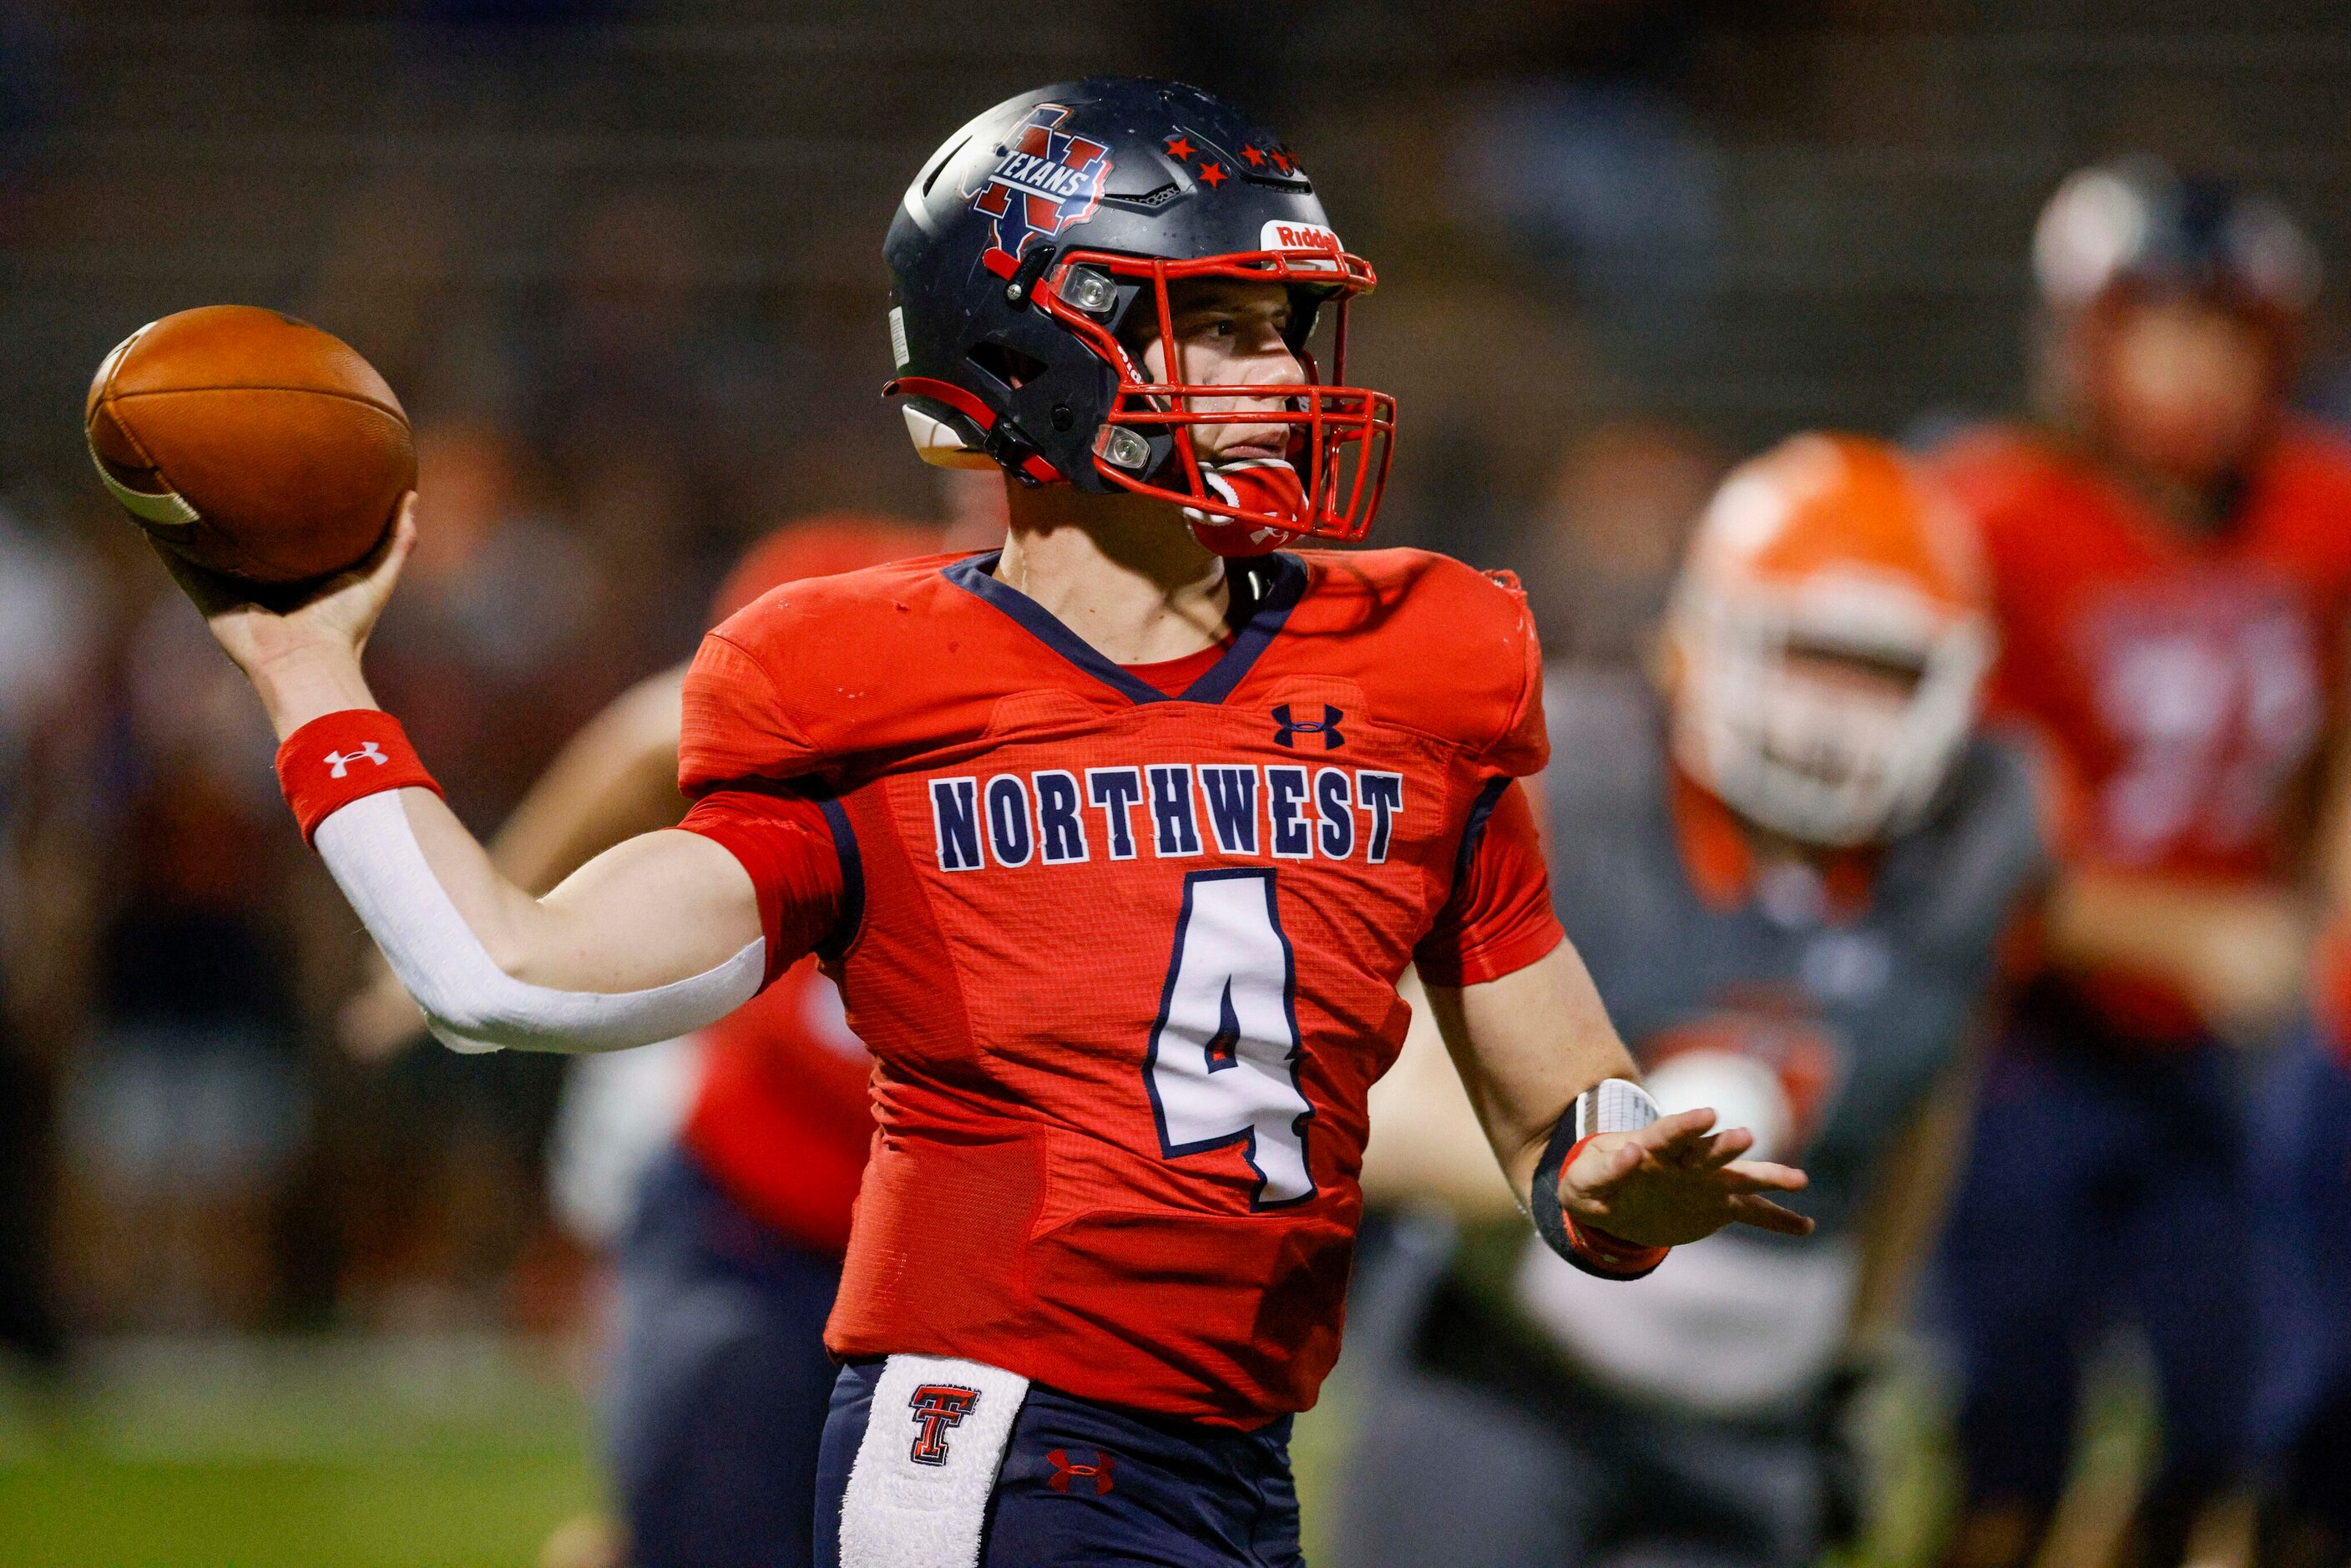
(1787, 862)
(1118, 840)
(2171, 562)
(730, 1233)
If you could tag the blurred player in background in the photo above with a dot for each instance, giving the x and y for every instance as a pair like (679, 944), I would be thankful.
(722, 1167)
(2171, 562)
(1787, 863)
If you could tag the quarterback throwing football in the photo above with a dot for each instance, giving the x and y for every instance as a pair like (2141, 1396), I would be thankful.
(1117, 840)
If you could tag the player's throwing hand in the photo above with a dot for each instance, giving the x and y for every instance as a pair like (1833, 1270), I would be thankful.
(1676, 1181)
(304, 660)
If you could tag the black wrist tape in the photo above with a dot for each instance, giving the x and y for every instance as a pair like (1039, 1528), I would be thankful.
(1611, 1105)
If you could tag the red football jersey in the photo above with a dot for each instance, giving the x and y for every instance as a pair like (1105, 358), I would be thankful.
(1128, 962)
(2186, 682)
(2185, 685)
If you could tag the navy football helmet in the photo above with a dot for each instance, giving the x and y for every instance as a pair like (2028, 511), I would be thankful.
(2135, 225)
(1035, 252)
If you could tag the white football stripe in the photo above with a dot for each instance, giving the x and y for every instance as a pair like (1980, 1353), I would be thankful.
(168, 510)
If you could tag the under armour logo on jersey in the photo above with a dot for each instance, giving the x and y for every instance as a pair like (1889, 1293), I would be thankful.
(1327, 726)
(339, 763)
(938, 1406)
(1064, 1471)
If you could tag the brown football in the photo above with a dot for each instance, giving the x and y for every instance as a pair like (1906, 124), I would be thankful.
(250, 442)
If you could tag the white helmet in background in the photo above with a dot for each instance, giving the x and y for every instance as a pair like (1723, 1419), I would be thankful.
(1826, 642)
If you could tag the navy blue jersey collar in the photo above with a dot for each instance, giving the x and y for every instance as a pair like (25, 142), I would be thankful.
(1265, 590)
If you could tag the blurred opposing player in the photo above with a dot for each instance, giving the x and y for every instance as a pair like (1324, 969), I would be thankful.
(1118, 849)
(1787, 866)
(732, 1228)
(2171, 556)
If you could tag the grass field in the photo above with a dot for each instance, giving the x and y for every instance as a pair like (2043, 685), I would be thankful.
(468, 1453)
(295, 1454)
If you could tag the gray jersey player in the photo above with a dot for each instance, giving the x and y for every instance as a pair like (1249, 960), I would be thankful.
(1788, 865)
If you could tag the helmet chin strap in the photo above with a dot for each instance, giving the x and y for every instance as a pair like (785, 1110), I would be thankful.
(1266, 487)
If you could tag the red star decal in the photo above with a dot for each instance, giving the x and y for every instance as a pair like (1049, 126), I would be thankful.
(1212, 176)
(1282, 161)
(1255, 158)
(1178, 146)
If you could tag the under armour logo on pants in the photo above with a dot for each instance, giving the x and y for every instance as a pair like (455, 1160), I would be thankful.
(1064, 1471)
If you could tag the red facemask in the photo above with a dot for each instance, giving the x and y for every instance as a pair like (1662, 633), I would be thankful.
(1340, 436)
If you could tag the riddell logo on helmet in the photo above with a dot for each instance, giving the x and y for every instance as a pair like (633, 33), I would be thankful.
(1278, 236)
(1049, 180)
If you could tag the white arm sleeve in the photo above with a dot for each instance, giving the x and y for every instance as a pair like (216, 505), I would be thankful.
(470, 1003)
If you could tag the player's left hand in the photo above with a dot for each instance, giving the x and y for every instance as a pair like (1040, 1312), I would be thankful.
(1676, 1181)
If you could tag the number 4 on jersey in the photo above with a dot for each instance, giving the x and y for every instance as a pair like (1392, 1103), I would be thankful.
(1223, 1067)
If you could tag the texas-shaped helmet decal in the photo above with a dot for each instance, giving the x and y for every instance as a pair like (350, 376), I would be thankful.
(1048, 180)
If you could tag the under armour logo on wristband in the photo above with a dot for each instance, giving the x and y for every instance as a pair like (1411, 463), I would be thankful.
(339, 763)
(314, 764)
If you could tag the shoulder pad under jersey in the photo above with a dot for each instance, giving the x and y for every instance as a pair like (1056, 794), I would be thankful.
(1437, 645)
(789, 685)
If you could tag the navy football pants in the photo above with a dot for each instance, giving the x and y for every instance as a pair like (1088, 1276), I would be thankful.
(1178, 1495)
(2302, 1181)
(719, 1388)
(2101, 1188)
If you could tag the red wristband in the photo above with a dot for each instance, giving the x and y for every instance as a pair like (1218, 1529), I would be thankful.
(337, 758)
(1606, 1254)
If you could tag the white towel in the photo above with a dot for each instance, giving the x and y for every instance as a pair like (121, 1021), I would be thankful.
(917, 1495)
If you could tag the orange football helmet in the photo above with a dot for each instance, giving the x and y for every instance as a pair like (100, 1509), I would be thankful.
(1828, 555)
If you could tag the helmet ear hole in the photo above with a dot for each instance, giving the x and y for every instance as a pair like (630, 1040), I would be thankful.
(1005, 365)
